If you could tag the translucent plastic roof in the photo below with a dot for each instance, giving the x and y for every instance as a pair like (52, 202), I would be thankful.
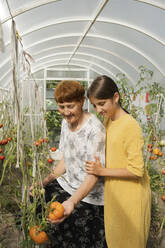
(105, 36)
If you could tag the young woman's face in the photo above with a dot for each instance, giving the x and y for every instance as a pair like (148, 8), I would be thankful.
(71, 111)
(105, 107)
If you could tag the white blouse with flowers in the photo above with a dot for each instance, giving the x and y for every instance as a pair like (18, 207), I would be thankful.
(77, 147)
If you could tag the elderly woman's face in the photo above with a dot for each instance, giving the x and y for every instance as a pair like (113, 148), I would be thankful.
(71, 111)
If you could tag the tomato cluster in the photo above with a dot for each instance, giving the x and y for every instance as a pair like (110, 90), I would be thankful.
(156, 152)
(40, 141)
(3, 142)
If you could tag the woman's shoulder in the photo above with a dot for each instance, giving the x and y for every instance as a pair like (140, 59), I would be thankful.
(131, 120)
(95, 122)
(131, 124)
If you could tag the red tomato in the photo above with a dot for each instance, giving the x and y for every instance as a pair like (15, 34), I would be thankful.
(9, 138)
(2, 157)
(53, 149)
(4, 141)
(163, 172)
(36, 144)
(149, 149)
(0, 150)
(50, 161)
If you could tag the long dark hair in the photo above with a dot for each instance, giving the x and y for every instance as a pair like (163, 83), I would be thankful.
(103, 87)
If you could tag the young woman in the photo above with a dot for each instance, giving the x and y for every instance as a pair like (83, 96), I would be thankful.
(127, 190)
(82, 136)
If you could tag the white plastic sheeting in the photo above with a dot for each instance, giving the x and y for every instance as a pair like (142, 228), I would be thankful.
(105, 36)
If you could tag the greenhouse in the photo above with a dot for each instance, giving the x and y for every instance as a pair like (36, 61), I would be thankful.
(82, 124)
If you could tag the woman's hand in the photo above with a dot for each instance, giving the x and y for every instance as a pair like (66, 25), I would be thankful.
(30, 190)
(68, 209)
(94, 168)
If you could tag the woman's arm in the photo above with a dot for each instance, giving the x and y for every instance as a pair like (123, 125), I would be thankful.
(69, 205)
(84, 189)
(96, 168)
(56, 172)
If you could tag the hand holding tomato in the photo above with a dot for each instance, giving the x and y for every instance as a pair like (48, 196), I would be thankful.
(94, 168)
(67, 208)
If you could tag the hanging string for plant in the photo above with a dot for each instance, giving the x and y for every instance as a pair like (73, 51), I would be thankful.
(14, 62)
(159, 104)
(2, 47)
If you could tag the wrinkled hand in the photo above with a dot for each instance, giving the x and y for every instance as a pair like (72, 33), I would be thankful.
(42, 191)
(68, 209)
(93, 168)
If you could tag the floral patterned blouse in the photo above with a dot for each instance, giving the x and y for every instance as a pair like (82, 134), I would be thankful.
(77, 147)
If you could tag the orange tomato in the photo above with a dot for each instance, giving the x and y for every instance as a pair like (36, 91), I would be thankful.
(1, 125)
(163, 197)
(56, 211)
(156, 151)
(39, 237)
(53, 149)
(9, 139)
(28, 163)
(40, 141)
(163, 172)
(160, 154)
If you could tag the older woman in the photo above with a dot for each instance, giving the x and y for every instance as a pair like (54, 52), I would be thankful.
(82, 137)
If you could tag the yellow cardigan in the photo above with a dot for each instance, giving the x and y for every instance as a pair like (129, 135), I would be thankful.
(127, 202)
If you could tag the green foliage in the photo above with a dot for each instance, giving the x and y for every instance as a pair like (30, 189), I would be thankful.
(51, 84)
(154, 237)
(53, 119)
(156, 182)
